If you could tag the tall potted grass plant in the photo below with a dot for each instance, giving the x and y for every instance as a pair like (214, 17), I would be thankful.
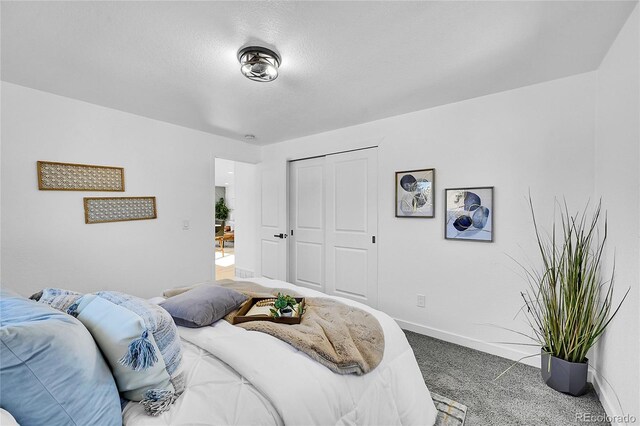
(568, 304)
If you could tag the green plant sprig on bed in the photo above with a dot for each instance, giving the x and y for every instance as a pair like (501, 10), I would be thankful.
(568, 305)
(282, 301)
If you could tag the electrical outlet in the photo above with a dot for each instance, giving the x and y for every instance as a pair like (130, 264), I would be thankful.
(421, 301)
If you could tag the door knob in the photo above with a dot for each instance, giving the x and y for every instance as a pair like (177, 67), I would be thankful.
(280, 235)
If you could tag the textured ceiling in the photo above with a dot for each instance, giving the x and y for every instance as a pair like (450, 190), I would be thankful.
(343, 63)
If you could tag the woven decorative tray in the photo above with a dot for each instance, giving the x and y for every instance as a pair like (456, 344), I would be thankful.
(243, 317)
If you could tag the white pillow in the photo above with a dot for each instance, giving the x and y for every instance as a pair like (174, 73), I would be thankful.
(141, 344)
(6, 419)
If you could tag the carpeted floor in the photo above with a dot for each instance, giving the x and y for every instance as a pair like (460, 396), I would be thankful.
(517, 398)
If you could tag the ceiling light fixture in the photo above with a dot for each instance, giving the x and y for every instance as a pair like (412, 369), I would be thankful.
(249, 137)
(259, 63)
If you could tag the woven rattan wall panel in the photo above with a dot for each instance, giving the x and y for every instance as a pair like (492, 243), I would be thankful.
(118, 209)
(79, 177)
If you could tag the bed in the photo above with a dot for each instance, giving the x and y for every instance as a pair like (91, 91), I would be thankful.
(234, 376)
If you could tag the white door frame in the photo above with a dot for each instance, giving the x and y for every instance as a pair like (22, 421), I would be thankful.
(249, 223)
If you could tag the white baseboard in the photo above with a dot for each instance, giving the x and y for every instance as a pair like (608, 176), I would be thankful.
(605, 399)
(610, 402)
(244, 273)
(469, 342)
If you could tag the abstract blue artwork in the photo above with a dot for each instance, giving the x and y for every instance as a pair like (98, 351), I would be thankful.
(414, 193)
(469, 214)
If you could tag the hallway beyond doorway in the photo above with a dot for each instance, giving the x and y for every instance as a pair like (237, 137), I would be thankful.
(225, 264)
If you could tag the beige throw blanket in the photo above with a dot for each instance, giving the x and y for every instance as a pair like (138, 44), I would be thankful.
(345, 339)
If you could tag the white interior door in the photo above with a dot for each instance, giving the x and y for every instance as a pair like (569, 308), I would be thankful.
(273, 248)
(351, 225)
(306, 223)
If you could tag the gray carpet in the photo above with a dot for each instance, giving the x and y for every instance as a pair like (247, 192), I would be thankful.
(517, 398)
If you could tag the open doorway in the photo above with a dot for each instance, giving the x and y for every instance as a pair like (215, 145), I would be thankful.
(235, 218)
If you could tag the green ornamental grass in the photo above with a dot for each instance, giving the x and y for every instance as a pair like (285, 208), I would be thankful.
(568, 304)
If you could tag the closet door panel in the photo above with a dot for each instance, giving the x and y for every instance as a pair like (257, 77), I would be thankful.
(351, 225)
(350, 280)
(306, 220)
(350, 195)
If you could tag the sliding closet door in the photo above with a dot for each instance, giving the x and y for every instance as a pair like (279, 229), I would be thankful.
(306, 220)
(351, 225)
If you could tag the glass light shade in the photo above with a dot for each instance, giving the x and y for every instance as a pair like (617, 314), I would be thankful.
(259, 63)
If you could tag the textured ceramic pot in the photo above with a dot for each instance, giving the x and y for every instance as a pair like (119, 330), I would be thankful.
(286, 312)
(564, 376)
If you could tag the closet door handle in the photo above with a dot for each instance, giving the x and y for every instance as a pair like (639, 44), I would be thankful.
(280, 235)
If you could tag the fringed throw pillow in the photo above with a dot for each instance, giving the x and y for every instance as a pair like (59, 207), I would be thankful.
(141, 343)
(57, 298)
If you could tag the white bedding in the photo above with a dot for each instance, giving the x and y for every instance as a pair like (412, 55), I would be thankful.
(241, 377)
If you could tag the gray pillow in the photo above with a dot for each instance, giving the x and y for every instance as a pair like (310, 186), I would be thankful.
(203, 305)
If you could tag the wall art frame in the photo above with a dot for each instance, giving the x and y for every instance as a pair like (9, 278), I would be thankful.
(119, 209)
(469, 214)
(415, 193)
(55, 176)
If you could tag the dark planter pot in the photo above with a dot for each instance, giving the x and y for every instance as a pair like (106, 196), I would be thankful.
(564, 376)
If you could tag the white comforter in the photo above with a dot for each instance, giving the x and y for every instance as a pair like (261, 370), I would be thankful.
(242, 377)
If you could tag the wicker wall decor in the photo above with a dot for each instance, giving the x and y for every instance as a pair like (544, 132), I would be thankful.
(79, 177)
(118, 209)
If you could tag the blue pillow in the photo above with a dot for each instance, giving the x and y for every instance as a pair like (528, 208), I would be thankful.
(51, 372)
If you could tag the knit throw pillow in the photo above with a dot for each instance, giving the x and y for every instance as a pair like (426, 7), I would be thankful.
(57, 298)
(141, 343)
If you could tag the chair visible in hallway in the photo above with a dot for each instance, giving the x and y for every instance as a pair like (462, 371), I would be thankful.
(224, 234)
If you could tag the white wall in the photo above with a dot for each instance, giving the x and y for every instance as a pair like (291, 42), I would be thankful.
(45, 241)
(617, 179)
(537, 138)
